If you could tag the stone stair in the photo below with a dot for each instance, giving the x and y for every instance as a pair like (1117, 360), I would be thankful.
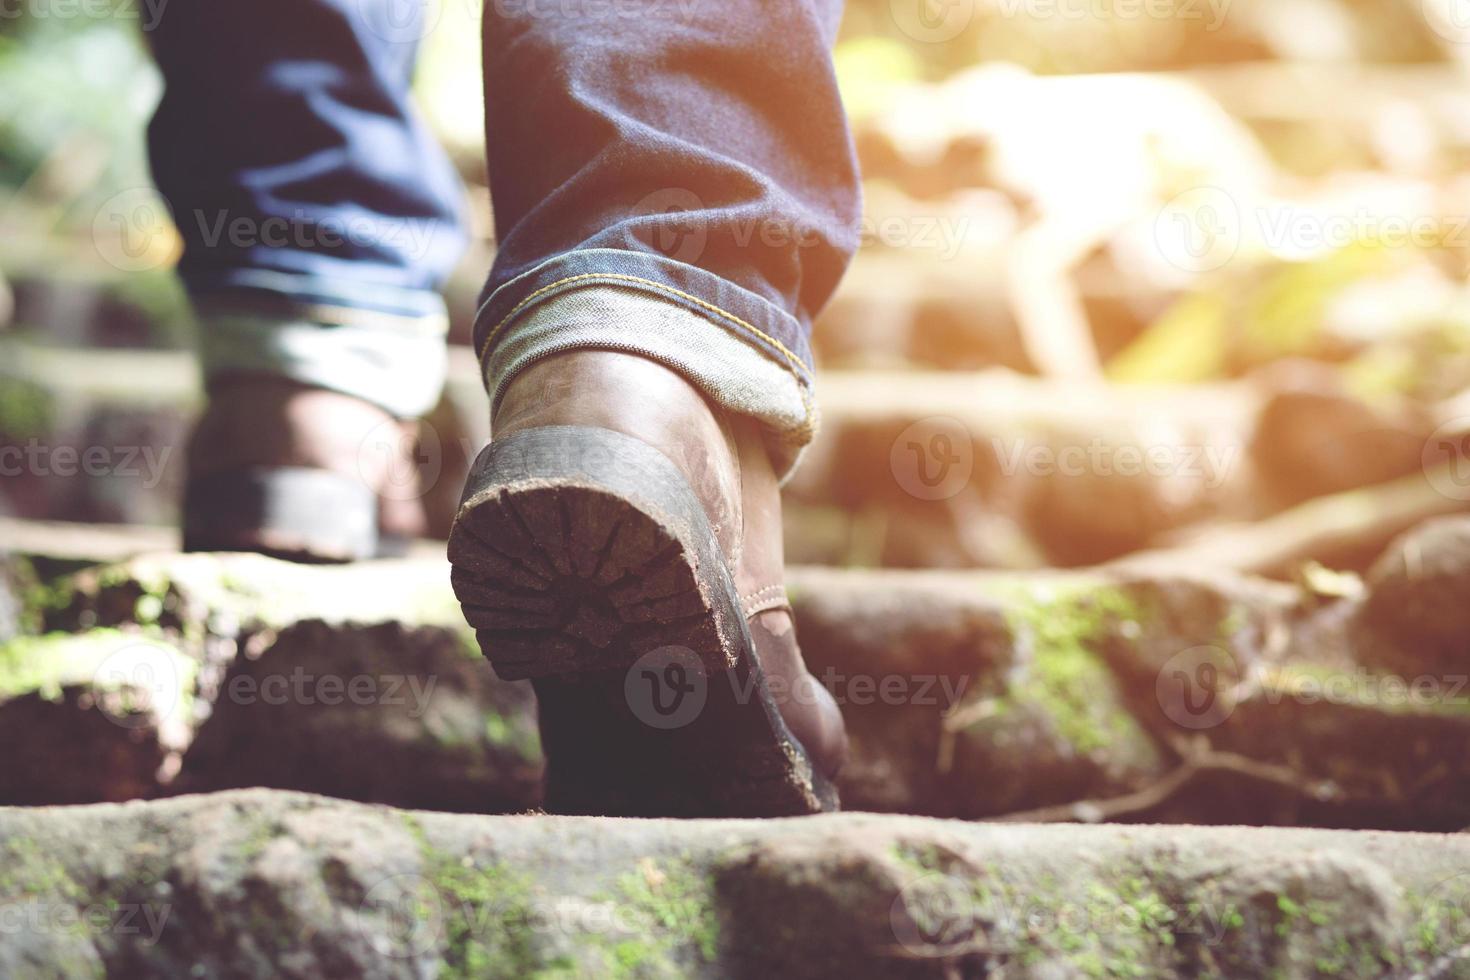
(1124, 693)
(262, 883)
(913, 469)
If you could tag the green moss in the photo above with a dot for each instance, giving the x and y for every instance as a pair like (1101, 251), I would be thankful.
(27, 871)
(43, 665)
(506, 732)
(1441, 918)
(43, 599)
(260, 835)
(1068, 681)
(673, 907)
(1122, 927)
(1234, 622)
(27, 410)
(486, 912)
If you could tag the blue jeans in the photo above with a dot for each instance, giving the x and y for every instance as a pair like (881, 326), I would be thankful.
(670, 177)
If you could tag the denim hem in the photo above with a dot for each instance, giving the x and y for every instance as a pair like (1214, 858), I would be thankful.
(598, 298)
(397, 363)
(733, 374)
(755, 319)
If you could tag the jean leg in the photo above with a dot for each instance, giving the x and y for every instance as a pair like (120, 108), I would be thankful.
(674, 178)
(318, 215)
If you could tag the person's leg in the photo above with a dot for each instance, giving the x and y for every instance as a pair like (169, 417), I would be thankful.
(318, 219)
(676, 197)
(673, 178)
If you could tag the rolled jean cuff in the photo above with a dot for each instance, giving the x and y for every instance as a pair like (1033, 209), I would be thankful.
(395, 360)
(746, 355)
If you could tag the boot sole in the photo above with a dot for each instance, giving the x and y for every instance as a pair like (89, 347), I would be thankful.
(295, 513)
(585, 563)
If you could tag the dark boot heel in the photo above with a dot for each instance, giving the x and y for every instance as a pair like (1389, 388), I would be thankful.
(295, 513)
(585, 562)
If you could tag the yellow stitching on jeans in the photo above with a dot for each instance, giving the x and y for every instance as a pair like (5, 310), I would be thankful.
(490, 338)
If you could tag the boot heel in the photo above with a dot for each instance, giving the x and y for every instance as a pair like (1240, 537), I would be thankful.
(296, 513)
(585, 562)
(580, 549)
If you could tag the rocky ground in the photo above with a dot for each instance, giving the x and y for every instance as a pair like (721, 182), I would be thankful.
(1119, 517)
(1124, 693)
(1135, 691)
(268, 883)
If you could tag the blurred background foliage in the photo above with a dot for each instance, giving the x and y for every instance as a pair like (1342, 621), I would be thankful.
(1265, 193)
(977, 111)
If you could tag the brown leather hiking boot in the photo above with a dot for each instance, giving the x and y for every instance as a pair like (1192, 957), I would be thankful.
(619, 543)
(298, 472)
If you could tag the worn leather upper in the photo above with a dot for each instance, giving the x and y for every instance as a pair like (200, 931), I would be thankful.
(726, 464)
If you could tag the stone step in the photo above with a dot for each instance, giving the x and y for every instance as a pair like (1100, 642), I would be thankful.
(1122, 693)
(910, 469)
(264, 883)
